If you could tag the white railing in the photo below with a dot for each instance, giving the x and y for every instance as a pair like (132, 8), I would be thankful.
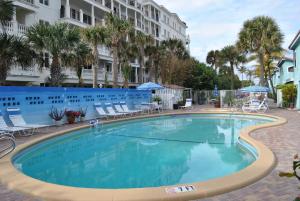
(14, 28)
(19, 71)
(31, 2)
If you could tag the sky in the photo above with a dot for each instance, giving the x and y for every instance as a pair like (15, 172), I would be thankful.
(213, 24)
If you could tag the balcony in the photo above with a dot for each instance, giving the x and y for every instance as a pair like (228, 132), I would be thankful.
(27, 4)
(28, 72)
(14, 28)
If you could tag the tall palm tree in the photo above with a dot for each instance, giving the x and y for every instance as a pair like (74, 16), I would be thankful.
(155, 56)
(250, 73)
(79, 57)
(142, 41)
(127, 51)
(95, 36)
(212, 58)
(175, 51)
(231, 55)
(258, 36)
(242, 70)
(6, 12)
(117, 29)
(58, 39)
(13, 51)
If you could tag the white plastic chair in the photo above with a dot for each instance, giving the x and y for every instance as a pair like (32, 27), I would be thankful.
(112, 112)
(188, 104)
(120, 110)
(17, 120)
(126, 109)
(255, 106)
(100, 111)
(5, 129)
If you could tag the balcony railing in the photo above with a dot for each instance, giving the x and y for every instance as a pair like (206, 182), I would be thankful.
(14, 28)
(29, 2)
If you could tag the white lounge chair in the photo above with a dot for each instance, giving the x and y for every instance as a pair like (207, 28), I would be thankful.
(120, 110)
(17, 120)
(126, 109)
(112, 112)
(100, 110)
(255, 106)
(188, 104)
(5, 129)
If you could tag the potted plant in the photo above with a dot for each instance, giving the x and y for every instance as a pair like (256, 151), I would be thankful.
(157, 99)
(295, 173)
(218, 103)
(82, 113)
(72, 116)
(56, 115)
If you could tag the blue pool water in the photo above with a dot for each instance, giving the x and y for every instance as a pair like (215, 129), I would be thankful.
(142, 153)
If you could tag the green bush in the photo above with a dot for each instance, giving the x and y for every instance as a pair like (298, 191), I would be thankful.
(289, 94)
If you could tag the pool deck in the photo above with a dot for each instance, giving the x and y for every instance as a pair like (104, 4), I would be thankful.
(284, 141)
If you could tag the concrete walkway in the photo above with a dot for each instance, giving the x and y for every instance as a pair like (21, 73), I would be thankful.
(283, 140)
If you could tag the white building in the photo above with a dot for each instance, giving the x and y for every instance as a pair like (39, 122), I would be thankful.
(146, 15)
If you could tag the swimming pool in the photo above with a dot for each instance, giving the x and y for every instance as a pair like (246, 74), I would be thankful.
(151, 152)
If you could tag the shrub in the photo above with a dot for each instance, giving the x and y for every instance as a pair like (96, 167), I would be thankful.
(289, 94)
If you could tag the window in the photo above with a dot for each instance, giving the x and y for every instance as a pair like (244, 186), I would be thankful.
(45, 2)
(44, 22)
(291, 69)
(87, 19)
(108, 68)
(75, 14)
(45, 59)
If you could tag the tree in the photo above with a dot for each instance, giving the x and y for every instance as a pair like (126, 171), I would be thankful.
(13, 50)
(79, 57)
(175, 53)
(231, 55)
(155, 54)
(259, 36)
(95, 36)
(242, 70)
(117, 30)
(250, 73)
(58, 39)
(212, 58)
(127, 51)
(6, 12)
(201, 77)
(142, 41)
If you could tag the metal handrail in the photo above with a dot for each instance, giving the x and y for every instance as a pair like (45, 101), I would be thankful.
(9, 148)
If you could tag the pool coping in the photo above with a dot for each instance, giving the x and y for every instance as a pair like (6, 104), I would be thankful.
(265, 162)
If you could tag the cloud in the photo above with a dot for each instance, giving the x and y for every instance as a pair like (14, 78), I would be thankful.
(214, 24)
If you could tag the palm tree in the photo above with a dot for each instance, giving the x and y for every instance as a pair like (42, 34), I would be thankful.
(13, 50)
(250, 73)
(117, 30)
(6, 12)
(142, 41)
(155, 56)
(242, 70)
(79, 57)
(127, 51)
(58, 39)
(175, 51)
(230, 54)
(212, 58)
(95, 36)
(258, 36)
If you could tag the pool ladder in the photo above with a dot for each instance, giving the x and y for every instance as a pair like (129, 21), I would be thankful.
(7, 145)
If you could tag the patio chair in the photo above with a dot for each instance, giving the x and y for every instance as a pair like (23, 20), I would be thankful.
(255, 106)
(126, 109)
(188, 104)
(100, 111)
(17, 120)
(119, 109)
(9, 130)
(112, 112)
(157, 106)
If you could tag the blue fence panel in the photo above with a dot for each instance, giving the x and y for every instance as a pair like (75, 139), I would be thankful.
(35, 102)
